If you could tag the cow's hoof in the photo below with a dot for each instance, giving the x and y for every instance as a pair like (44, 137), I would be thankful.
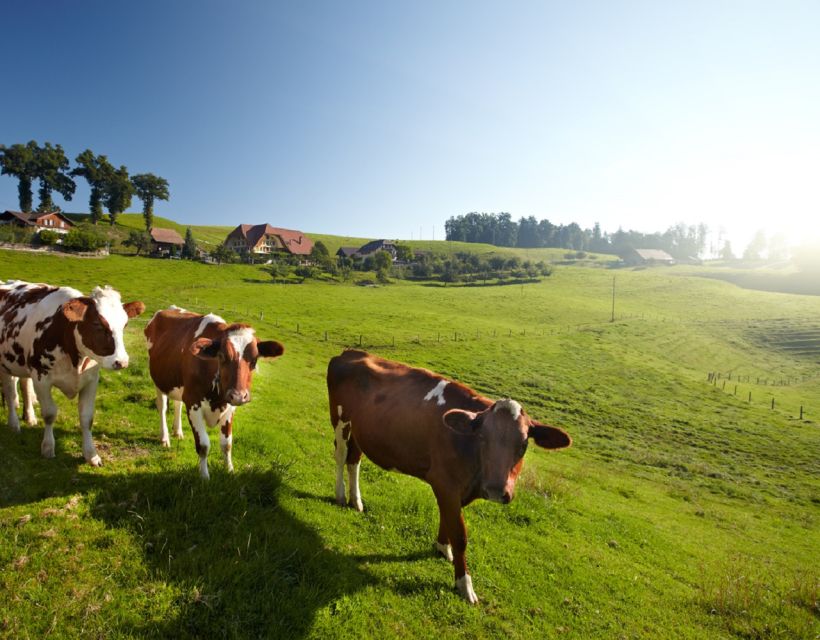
(15, 426)
(341, 501)
(465, 587)
(166, 443)
(32, 422)
(47, 449)
(179, 435)
(445, 550)
(356, 504)
(95, 461)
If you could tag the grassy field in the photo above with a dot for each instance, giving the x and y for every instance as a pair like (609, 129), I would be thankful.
(682, 511)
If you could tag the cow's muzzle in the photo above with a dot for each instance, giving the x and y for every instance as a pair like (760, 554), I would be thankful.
(497, 495)
(120, 364)
(237, 397)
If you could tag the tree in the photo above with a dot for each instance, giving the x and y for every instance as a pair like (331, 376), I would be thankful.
(139, 240)
(755, 248)
(189, 248)
(98, 172)
(148, 188)
(18, 161)
(382, 260)
(118, 193)
(51, 169)
(726, 251)
(84, 238)
(223, 253)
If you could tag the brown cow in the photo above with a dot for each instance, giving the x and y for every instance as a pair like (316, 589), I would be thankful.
(207, 364)
(414, 421)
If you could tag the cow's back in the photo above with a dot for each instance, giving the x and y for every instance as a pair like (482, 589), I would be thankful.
(395, 411)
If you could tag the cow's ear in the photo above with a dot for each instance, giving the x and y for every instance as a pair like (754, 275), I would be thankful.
(75, 309)
(270, 349)
(463, 422)
(549, 437)
(205, 348)
(133, 309)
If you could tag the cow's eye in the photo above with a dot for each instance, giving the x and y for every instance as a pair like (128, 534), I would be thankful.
(253, 365)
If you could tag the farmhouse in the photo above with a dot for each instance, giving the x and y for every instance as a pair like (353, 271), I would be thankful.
(51, 220)
(347, 252)
(647, 257)
(377, 245)
(264, 239)
(165, 242)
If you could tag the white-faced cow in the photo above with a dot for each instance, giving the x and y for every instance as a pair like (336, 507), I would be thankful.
(207, 364)
(416, 422)
(57, 337)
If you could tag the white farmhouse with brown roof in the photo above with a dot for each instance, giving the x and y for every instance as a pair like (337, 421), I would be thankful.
(265, 239)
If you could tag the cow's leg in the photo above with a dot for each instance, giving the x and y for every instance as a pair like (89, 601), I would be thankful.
(87, 396)
(201, 439)
(27, 389)
(226, 439)
(162, 407)
(12, 402)
(48, 409)
(177, 418)
(354, 461)
(453, 523)
(342, 434)
(443, 542)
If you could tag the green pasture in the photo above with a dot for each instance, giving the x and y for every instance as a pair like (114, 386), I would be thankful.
(683, 510)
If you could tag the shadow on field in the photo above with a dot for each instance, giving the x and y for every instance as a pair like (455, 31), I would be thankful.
(242, 566)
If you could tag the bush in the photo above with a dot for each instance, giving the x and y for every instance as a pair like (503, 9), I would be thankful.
(15, 235)
(84, 238)
(48, 237)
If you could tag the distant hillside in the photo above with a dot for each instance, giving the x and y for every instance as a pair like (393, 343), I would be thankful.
(208, 236)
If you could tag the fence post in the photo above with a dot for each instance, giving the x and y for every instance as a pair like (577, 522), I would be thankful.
(801, 411)
(772, 404)
(750, 397)
(724, 385)
(325, 336)
(297, 327)
(360, 339)
(735, 389)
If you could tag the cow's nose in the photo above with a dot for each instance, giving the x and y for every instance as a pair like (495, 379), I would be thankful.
(497, 494)
(120, 364)
(237, 397)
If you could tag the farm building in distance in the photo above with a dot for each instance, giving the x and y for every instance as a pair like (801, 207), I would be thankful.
(38, 221)
(264, 239)
(647, 257)
(368, 249)
(165, 242)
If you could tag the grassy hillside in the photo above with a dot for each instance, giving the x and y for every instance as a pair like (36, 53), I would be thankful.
(683, 510)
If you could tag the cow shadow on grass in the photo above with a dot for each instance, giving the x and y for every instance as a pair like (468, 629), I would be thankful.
(237, 562)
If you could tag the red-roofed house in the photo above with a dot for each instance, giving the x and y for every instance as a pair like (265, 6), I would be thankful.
(264, 239)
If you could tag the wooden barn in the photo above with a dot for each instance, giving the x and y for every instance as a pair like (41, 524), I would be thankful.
(165, 242)
(38, 221)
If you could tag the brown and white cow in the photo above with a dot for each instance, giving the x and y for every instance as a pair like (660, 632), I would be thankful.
(57, 337)
(414, 421)
(207, 364)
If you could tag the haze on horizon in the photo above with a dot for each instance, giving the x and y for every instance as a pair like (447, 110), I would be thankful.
(385, 119)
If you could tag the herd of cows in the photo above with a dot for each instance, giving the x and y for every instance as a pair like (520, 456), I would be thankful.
(465, 446)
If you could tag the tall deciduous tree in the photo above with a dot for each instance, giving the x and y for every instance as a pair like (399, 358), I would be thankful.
(148, 188)
(118, 193)
(98, 172)
(51, 169)
(18, 161)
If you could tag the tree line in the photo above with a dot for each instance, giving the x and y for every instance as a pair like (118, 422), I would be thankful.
(499, 229)
(111, 187)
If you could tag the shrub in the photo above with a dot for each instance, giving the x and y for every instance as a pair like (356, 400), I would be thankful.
(84, 238)
(48, 237)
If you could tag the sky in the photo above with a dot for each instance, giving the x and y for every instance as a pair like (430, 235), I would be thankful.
(384, 119)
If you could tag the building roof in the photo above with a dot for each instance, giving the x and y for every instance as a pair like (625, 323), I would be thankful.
(31, 217)
(654, 254)
(166, 236)
(294, 241)
(375, 245)
(347, 252)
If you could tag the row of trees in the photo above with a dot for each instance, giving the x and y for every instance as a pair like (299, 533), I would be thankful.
(499, 229)
(111, 187)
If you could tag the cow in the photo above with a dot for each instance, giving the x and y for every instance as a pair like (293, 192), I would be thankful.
(58, 337)
(465, 446)
(206, 363)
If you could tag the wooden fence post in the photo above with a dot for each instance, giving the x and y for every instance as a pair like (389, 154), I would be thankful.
(772, 404)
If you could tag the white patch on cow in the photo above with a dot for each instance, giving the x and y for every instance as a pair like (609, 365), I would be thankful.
(176, 393)
(174, 307)
(109, 306)
(199, 424)
(240, 339)
(355, 494)
(206, 320)
(437, 392)
(150, 344)
(226, 442)
(510, 406)
(446, 550)
(465, 587)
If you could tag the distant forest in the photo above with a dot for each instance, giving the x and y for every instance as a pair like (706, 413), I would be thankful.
(499, 229)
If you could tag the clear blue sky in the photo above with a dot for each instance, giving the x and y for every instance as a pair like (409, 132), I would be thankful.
(381, 119)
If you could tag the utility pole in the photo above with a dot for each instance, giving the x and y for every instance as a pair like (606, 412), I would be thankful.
(612, 319)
